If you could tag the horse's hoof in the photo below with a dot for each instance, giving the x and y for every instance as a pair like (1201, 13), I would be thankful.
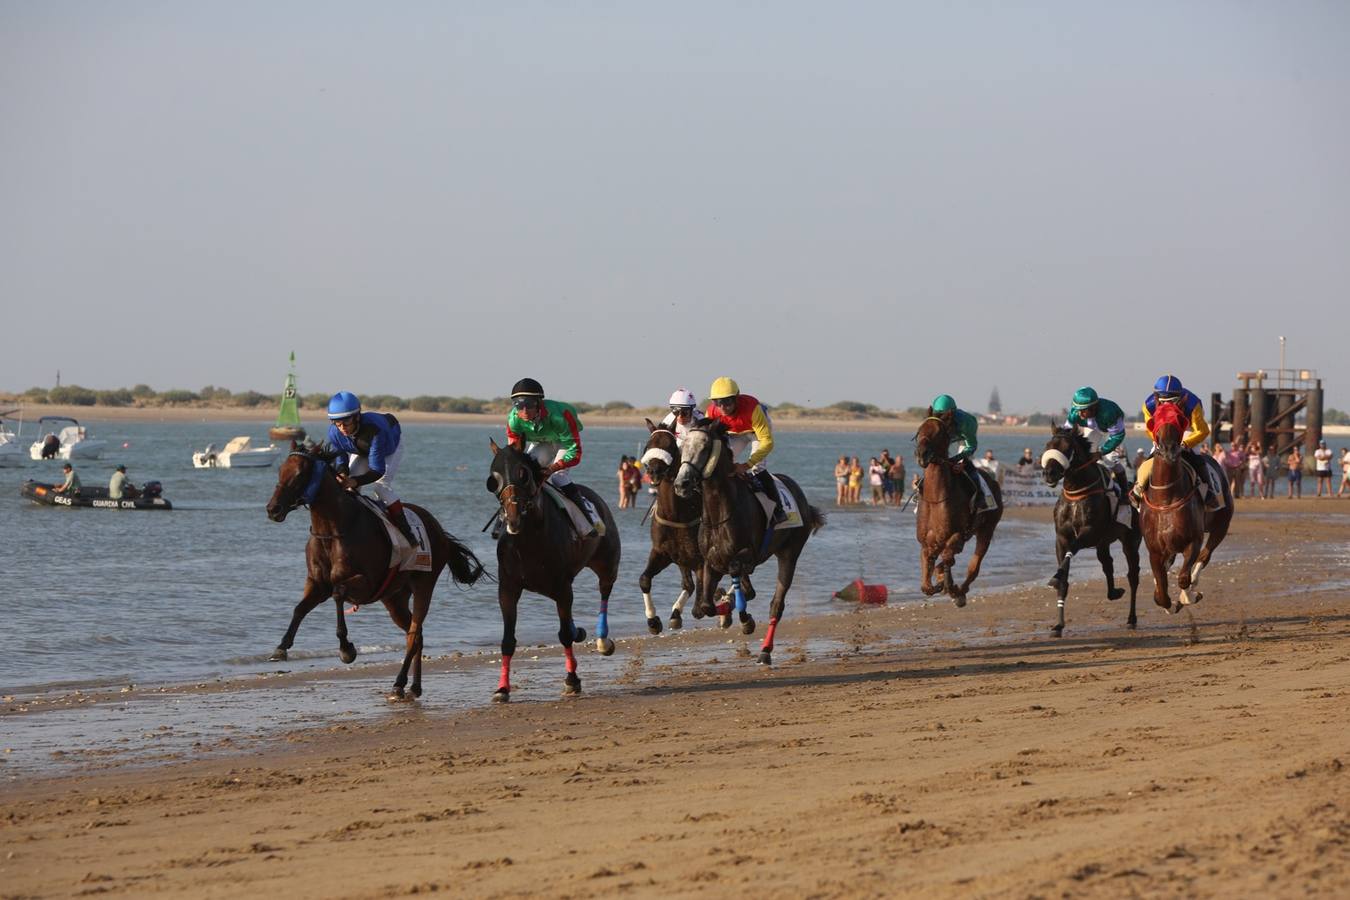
(1057, 630)
(747, 624)
(1132, 624)
(1115, 593)
(415, 690)
(677, 621)
(927, 591)
(278, 655)
(698, 614)
(571, 685)
(724, 620)
(605, 646)
(579, 637)
(959, 600)
(1198, 597)
(765, 658)
(654, 624)
(501, 695)
(1185, 597)
(348, 654)
(396, 695)
(1054, 582)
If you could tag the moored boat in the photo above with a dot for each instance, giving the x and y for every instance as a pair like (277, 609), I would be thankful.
(288, 427)
(11, 452)
(94, 498)
(239, 453)
(71, 442)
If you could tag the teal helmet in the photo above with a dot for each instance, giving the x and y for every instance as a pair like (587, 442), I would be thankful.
(943, 403)
(1084, 397)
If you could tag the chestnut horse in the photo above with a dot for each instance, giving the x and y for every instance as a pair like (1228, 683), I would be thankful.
(539, 551)
(1173, 517)
(1083, 518)
(675, 522)
(945, 520)
(733, 536)
(347, 558)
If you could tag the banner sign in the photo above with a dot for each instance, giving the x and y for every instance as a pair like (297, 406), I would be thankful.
(1025, 486)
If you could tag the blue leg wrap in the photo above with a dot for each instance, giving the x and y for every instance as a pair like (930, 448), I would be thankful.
(740, 594)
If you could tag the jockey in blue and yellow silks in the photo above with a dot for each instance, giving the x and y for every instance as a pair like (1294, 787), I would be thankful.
(1169, 389)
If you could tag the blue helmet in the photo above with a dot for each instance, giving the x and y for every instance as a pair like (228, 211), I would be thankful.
(1168, 384)
(343, 404)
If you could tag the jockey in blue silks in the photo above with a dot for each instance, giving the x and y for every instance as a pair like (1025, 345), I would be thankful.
(372, 444)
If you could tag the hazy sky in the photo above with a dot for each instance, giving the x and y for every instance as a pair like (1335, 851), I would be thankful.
(827, 201)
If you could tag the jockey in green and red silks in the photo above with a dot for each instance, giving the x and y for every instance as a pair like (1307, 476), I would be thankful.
(549, 431)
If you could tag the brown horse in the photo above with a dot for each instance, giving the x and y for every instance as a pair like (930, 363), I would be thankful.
(733, 536)
(945, 520)
(1173, 516)
(1083, 518)
(347, 558)
(540, 552)
(675, 522)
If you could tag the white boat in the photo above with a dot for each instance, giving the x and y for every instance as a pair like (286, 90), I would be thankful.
(11, 451)
(239, 453)
(71, 442)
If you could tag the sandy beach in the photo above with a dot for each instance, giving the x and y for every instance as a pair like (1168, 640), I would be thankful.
(942, 752)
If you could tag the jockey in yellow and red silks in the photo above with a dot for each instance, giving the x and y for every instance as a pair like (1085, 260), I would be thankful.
(1168, 389)
(749, 429)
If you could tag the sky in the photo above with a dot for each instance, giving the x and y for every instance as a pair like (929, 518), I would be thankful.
(864, 201)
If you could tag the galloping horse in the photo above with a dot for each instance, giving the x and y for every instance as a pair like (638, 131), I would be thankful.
(675, 523)
(348, 558)
(1083, 518)
(1173, 517)
(733, 536)
(540, 552)
(945, 520)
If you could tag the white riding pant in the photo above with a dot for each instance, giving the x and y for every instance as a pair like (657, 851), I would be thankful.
(743, 446)
(383, 489)
(546, 454)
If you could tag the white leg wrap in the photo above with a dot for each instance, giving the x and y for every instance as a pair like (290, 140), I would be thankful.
(680, 601)
(647, 605)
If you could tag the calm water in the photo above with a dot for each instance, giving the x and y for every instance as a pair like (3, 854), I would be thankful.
(98, 597)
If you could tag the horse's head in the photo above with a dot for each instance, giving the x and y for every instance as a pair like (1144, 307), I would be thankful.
(934, 437)
(661, 456)
(298, 479)
(706, 455)
(1169, 424)
(1063, 451)
(515, 478)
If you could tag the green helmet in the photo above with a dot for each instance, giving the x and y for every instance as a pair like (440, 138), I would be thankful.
(1084, 397)
(943, 403)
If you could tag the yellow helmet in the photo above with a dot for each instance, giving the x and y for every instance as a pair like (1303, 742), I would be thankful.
(723, 388)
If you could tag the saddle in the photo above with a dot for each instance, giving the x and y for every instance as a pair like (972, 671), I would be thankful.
(403, 557)
(792, 516)
(581, 524)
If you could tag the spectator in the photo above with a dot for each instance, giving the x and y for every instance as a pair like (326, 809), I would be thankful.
(1235, 464)
(1271, 461)
(855, 474)
(875, 473)
(897, 474)
(992, 466)
(1295, 464)
(1345, 470)
(887, 486)
(1027, 463)
(1256, 471)
(634, 480)
(1322, 463)
(623, 482)
(841, 481)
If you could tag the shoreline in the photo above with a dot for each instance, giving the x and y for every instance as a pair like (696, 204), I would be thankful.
(933, 751)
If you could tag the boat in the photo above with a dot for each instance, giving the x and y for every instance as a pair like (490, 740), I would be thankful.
(94, 498)
(72, 441)
(288, 427)
(11, 451)
(239, 453)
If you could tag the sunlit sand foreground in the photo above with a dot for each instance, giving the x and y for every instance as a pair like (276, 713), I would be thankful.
(1203, 755)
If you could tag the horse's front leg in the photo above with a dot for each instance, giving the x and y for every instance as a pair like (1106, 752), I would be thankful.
(1060, 581)
(1109, 569)
(983, 538)
(314, 594)
(787, 567)
(568, 632)
(1129, 545)
(346, 649)
(1158, 562)
(508, 598)
(689, 586)
(926, 560)
(656, 564)
(1189, 575)
(949, 551)
(703, 604)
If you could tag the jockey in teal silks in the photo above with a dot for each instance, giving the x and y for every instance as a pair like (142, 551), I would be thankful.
(966, 429)
(1102, 423)
(371, 448)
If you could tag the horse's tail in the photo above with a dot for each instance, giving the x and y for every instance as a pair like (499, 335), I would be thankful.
(815, 518)
(464, 566)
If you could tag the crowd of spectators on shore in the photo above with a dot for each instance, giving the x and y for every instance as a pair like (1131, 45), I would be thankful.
(884, 474)
(1253, 472)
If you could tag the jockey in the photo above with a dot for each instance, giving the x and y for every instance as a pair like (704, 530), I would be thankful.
(549, 431)
(1102, 422)
(371, 445)
(1168, 389)
(683, 414)
(748, 429)
(967, 427)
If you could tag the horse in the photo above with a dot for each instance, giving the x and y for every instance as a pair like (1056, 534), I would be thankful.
(1174, 518)
(945, 520)
(674, 532)
(347, 558)
(540, 552)
(1083, 518)
(733, 536)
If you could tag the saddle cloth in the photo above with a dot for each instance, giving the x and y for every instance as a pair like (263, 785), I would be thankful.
(404, 556)
(580, 524)
(793, 514)
(1121, 511)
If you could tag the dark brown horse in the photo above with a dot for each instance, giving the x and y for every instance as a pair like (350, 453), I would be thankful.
(1083, 518)
(733, 536)
(945, 520)
(675, 522)
(1173, 516)
(540, 552)
(347, 558)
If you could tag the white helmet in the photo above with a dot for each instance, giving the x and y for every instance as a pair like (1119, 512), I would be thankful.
(681, 397)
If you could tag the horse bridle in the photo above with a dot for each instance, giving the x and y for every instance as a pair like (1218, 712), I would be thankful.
(306, 497)
(714, 457)
(524, 508)
(926, 449)
(656, 453)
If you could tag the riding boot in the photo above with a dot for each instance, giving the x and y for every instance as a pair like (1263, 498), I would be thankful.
(977, 501)
(573, 493)
(395, 513)
(766, 484)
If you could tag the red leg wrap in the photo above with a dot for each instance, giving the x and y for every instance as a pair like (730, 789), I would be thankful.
(571, 659)
(768, 635)
(505, 684)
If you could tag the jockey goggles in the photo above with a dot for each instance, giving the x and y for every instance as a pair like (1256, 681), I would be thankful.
(682, 410)
(726, 404)
(526, 402)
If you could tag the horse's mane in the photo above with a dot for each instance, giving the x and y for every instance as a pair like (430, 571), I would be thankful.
(1073, 434)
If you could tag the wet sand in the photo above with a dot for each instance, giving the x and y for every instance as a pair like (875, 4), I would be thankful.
(931, 751)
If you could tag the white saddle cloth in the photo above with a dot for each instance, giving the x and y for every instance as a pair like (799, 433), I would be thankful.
(790, 510)
(405, 557)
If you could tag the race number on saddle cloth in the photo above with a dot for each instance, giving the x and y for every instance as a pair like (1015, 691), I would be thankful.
(371, 448)
(550, 431)
(750, 437)
(966, 430)
(1189, 413)
(404, 556)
